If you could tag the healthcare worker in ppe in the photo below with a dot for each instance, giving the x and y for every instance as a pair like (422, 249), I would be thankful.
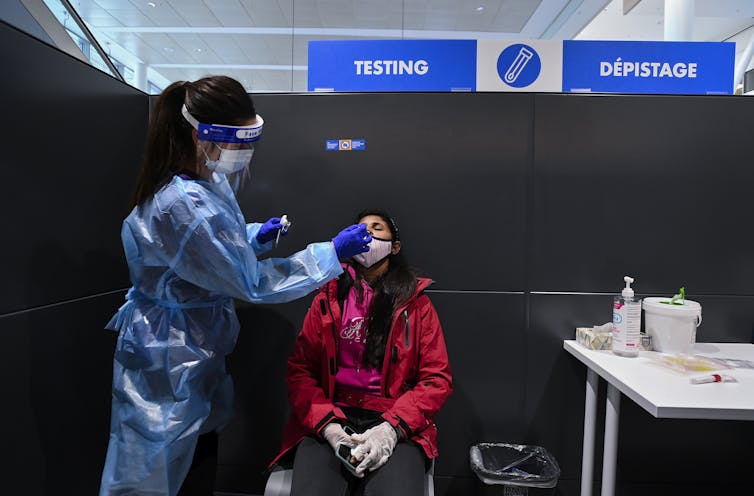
(189, 253)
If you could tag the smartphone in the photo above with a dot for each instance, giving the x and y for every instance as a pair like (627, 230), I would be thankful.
(344, 454)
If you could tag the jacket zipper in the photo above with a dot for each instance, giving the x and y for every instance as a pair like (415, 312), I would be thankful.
(332, 364)
(406, 330)
(393, 355)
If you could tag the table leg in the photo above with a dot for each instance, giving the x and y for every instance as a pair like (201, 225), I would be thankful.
(610, 453)
(590, 420)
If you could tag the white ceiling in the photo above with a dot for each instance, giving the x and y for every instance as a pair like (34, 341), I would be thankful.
(263, 43)
(714, 20)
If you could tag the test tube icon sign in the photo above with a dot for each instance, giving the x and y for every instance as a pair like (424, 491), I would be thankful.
(522, 58)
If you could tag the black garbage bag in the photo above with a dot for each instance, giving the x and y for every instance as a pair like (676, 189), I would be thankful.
(514, 465)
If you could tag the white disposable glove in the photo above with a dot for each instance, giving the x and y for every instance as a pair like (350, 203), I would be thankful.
(374, 447)
(334, 434)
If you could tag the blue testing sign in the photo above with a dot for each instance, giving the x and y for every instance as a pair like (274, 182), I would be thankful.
(392, 65)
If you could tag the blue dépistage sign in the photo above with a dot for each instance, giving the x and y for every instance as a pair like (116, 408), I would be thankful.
(392, 65)
(648, 67)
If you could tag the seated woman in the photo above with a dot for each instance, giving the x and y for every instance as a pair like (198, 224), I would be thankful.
(369, 370)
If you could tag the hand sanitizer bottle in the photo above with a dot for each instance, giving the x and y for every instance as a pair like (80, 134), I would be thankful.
(626, 322)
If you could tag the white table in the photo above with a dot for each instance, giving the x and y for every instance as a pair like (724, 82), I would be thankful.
(662, 392)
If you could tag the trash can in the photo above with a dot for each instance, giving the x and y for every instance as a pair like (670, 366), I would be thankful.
(516, 467)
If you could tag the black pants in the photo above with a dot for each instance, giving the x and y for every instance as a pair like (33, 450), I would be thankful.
(317, 472)
(200, 480)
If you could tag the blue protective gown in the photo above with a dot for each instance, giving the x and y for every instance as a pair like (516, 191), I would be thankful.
(189, 253)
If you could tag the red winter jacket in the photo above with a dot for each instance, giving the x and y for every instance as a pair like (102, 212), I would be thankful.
(416, 376)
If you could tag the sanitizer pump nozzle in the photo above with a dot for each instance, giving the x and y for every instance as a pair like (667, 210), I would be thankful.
(628, 292)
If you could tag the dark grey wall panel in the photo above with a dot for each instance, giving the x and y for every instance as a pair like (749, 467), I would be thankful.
(676, 169)
(726, 319)
(554, 382)
(666, 451)
(55, 383)
(23, 470)
(72, 143)
(450, 168)
(486, 404)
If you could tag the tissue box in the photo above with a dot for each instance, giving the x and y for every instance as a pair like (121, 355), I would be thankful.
(603, 340)
(589, 338)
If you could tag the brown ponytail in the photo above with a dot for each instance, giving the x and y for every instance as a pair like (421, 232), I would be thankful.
(170, 146)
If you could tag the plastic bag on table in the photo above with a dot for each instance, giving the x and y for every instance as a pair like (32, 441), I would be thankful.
(688, 364)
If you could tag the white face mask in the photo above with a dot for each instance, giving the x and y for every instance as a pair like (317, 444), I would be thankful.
(230, 161)
(378, 250)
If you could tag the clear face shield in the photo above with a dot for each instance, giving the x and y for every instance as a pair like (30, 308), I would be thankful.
(235, 143)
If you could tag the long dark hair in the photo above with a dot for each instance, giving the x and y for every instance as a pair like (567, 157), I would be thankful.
(170, 147)
(393, 289)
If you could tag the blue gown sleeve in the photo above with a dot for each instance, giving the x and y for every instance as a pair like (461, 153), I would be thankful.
(211, 249)
(252, 230)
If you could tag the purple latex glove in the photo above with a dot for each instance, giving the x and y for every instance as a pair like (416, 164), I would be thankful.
(269, 230)
(351, 241)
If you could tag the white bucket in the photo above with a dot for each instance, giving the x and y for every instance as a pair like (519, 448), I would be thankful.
(672, 327)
